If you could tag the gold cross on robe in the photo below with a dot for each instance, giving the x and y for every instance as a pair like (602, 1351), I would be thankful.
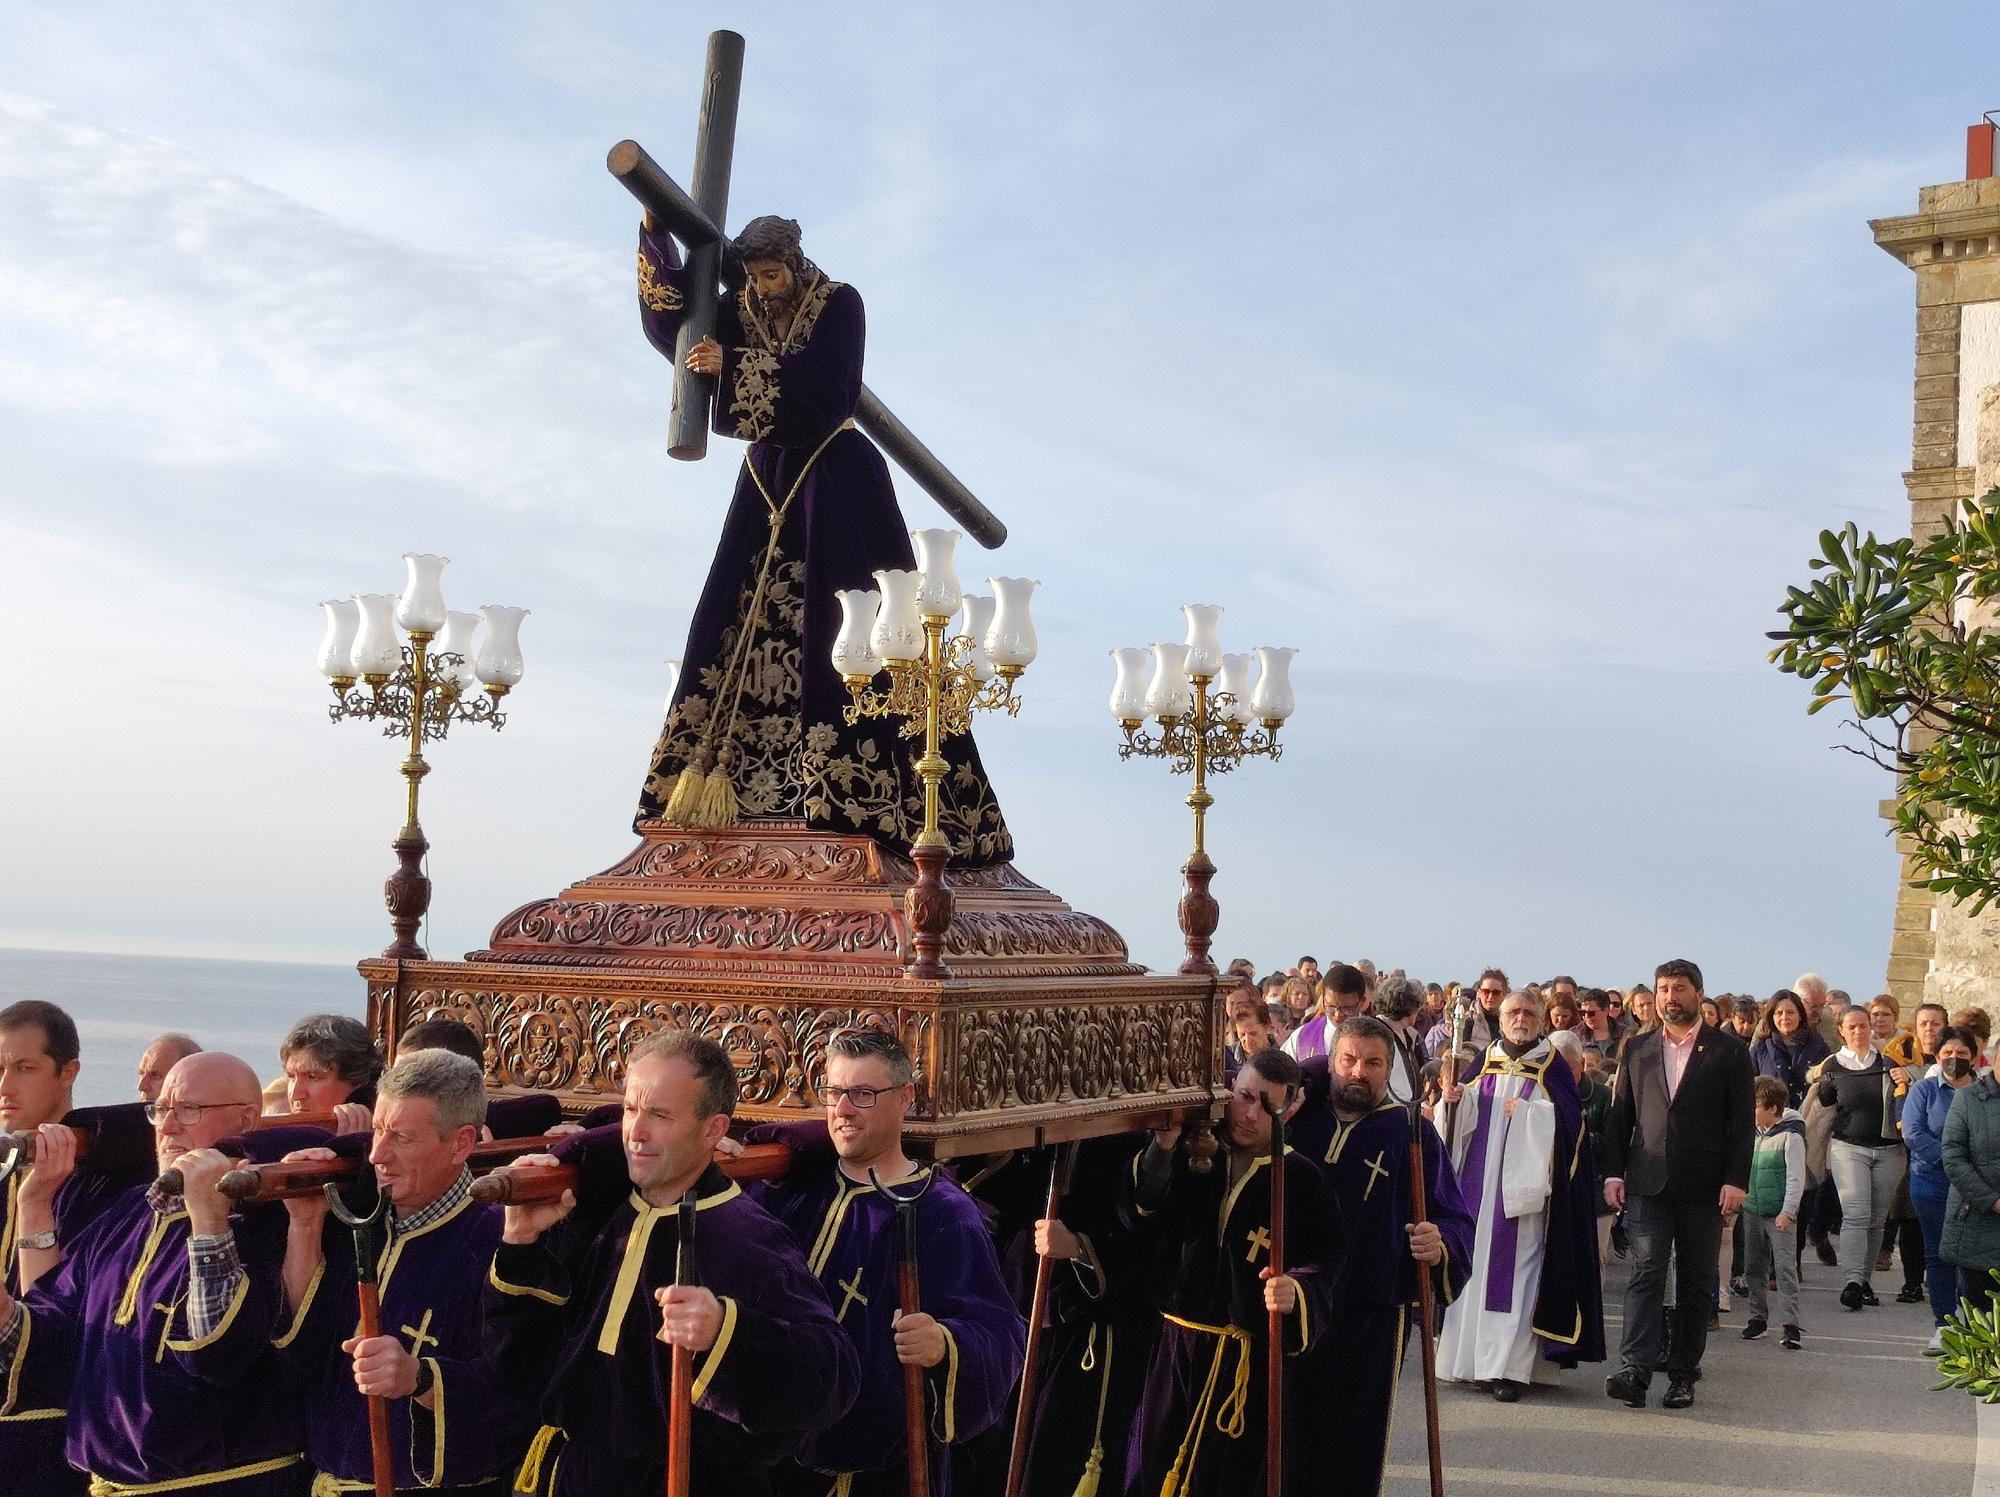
(853, 1293)
(1260, 1242)
(419, 1334)
(1376, 1171)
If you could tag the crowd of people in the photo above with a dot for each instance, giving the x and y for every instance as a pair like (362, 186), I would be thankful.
(159, 1333)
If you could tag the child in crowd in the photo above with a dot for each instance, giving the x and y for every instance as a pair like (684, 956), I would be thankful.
(1771, 1210)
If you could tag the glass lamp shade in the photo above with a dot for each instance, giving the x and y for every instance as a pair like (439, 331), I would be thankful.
(673, 682)
(938, 592)
(336, 646)
(1128, 691)
(1272, 700)
(421, 609)
(378, 649)
(853, 655)
(1169, 696)
(1203, 646)
(898, 634)
(1010, 639)
(456, 636)
(498, 662)
(1234, 681)
(978, 620)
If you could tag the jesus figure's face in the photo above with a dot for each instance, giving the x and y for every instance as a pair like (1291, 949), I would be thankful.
(770, 280)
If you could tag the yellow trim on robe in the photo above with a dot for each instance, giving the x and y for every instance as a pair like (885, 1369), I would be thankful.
(20, 1360)
(235, 1303)
(836, 1214)
(1299, 1304)
(529, 1477)
(1235, 1193)
(1142, 1210)
(104, 1487)
(305, 1304)
(128, 1304)
(392, 1252)
(627, 1282)
(31, 1415)
(1229, 1418)
(950, 1385)
(437, 1428)
(7, 1231)
(713, 1358)
(493, 1278)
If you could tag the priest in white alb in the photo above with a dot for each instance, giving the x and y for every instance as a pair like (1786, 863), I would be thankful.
(1514, 1130)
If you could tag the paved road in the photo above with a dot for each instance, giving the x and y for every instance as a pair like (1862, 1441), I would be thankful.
(1850, 1414)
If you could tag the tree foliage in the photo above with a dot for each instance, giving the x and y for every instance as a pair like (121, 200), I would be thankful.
(1893, 629)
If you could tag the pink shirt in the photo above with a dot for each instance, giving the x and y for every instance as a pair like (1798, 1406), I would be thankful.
(1675, 1053)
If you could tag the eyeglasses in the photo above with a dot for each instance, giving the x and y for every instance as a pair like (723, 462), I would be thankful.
(187, 1113)
(1493, 992)
(860, 1096)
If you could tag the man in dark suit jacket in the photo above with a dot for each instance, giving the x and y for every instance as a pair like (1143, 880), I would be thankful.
(1676, 1162)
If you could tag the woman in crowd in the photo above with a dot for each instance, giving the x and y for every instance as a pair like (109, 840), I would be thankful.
(1639, 1007)
(1866, 1156)
(1971, 1155)
(1744, 1019)
(1924, 1114)
(1562, 1012)
(1975, 1022)
(1788, 1047)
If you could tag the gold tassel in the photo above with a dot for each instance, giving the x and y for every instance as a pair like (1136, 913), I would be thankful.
(687, 790)
(718, 802)
(1086, 1485)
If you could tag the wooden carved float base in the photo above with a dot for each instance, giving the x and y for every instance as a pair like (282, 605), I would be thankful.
(771, 938)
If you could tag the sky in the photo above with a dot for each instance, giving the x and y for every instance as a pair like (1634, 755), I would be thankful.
(1506, 361)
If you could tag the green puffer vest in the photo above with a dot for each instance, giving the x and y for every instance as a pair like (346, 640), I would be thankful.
(1767, 1166)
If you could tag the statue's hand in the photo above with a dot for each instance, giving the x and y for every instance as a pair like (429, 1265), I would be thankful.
(705, 357)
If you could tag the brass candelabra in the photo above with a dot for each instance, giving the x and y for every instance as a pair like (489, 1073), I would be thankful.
(1209, 721)
(417, 691)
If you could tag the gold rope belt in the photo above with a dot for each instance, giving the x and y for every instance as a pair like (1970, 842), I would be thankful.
(1228, 1418)
(104, 1487)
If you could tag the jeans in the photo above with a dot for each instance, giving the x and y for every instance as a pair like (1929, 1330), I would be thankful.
(1657, 1226)
(1940, 1278)
(1766, 1251)
(1867, 1179)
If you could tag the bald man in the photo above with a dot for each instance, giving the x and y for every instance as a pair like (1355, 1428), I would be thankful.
(155, 1332)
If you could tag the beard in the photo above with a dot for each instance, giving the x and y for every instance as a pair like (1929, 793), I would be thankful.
(1355, 1096)
(1675, 1012)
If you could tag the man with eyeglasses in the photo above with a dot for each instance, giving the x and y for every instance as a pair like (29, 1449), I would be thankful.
(967, 1336)
(1343, 994)
(1598, 1029)
(155, 1331)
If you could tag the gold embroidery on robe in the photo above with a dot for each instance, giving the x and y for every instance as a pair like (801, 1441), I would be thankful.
(655, 295)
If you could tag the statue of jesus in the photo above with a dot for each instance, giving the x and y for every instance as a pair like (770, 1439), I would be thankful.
(755, 730)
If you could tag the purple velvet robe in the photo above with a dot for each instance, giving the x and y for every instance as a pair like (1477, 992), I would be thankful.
(850, 1236)
(775, 698)
(432, 1285)
(1355, 1370)
(573, 1317)
(108, 1337)
(32, 1433)
(1200, 1426)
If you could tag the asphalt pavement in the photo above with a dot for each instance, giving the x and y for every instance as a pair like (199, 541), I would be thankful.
(1850, 1413)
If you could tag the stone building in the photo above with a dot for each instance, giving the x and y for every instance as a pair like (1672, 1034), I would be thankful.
(1937, 950)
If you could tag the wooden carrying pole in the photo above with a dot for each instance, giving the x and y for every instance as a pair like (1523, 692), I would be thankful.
(680, 1411)
(915, 1410)
(1024, 1411)
(528, 1184)
(1274, 1351)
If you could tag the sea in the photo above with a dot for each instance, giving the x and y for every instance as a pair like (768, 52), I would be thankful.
(120, 1002)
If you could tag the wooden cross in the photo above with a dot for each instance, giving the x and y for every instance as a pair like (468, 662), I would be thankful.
(696, 220)
(420, 1333)
(853, 1293)
(1260, 1242)
(1376, 1171)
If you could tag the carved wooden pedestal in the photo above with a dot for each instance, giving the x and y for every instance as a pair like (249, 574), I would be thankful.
(771, 937)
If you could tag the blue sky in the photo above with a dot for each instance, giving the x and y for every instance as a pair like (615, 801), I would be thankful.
(1505, 360)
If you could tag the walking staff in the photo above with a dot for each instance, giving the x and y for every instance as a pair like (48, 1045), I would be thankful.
(363, 1228)
(1024, 1411)
(1274, 1350)
(915, 1417)
(1426, 1292)
(680, 1412)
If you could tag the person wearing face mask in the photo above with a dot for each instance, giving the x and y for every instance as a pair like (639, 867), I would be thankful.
(1924, 1112)
(1866, 1157)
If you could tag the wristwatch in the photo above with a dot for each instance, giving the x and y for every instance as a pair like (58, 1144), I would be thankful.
(425, 1377)
(38, 1241)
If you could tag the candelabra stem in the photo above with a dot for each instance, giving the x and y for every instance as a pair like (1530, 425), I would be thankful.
(408, 891)
(927, 903)
(1199, 912)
